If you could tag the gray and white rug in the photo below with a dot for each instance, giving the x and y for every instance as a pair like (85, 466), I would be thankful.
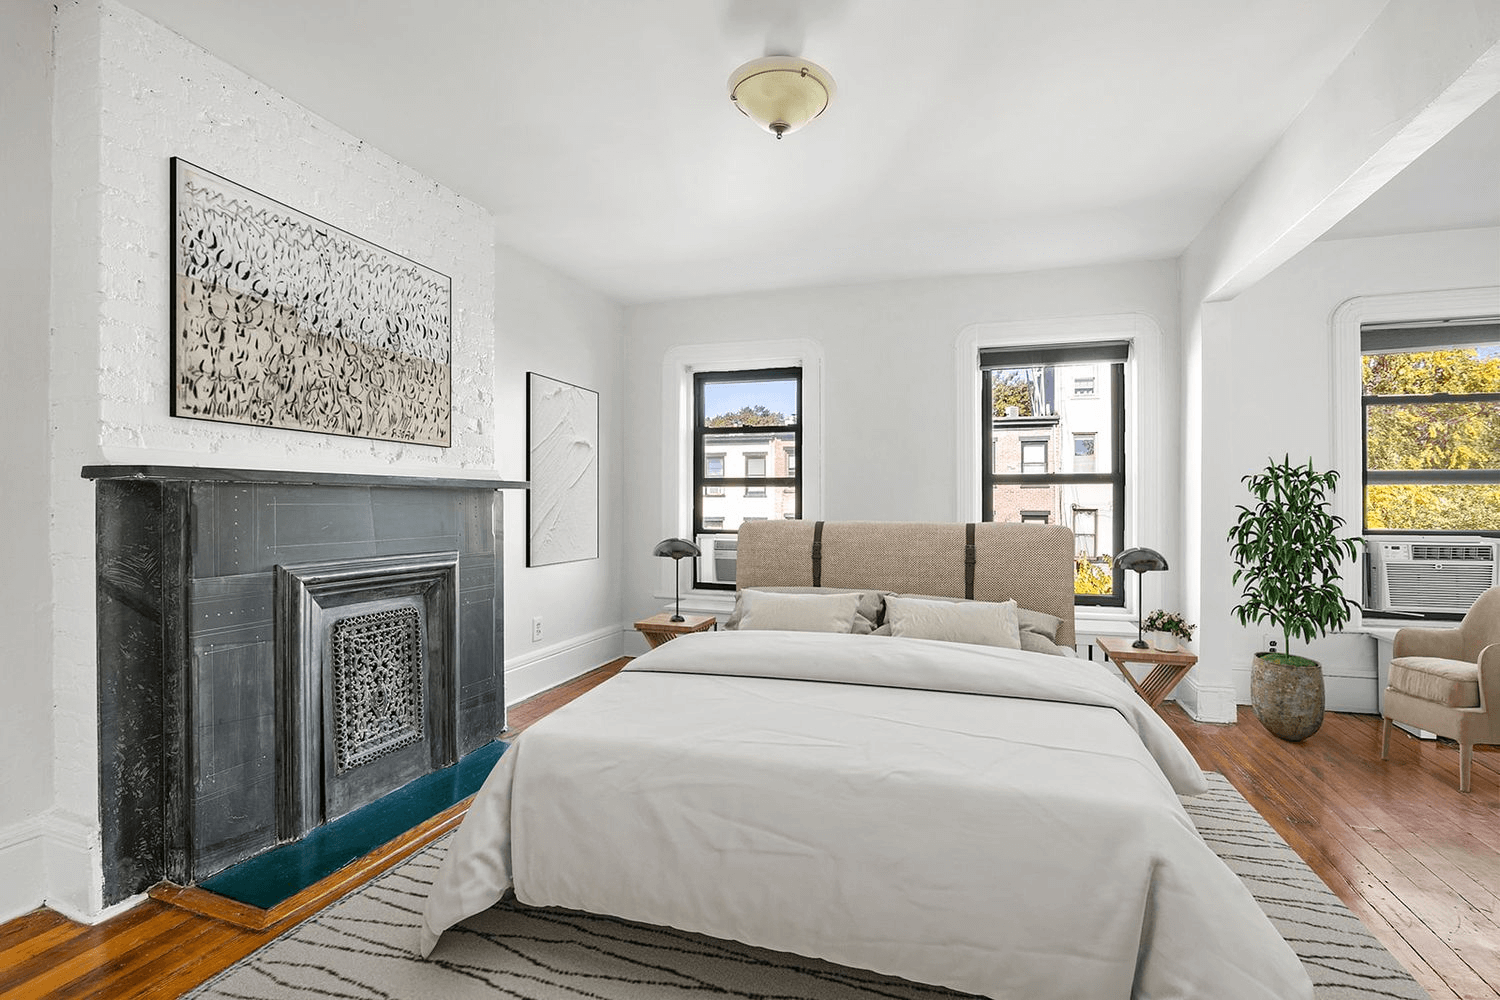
(363, 946)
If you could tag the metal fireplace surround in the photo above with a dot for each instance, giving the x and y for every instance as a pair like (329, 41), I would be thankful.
(221, 595)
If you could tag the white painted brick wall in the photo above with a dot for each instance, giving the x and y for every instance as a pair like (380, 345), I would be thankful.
(128, 96)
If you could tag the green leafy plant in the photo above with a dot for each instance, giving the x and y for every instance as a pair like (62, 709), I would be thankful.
(1288, 553)
(1170, 622)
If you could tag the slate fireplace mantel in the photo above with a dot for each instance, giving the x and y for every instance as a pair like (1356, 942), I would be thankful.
(187, 563)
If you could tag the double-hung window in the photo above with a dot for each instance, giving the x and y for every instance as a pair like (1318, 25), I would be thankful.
(1031, 409)
(1431, 426)
(746, 435)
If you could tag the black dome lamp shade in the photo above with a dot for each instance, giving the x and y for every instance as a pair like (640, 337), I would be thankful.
(675, 549)
(1140, 561)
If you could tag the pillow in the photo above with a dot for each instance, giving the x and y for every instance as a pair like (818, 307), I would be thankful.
(866, 615)
(798, 612)
(981, 623)
(1038, 623)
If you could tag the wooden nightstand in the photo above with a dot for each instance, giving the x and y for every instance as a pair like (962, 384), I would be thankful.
(659, 628)
(1169, 668)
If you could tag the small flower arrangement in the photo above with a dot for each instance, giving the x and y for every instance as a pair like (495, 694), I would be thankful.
(1169, 622)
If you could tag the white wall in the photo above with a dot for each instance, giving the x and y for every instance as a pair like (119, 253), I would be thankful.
(25, 584)
(548, 323)
(889, 410)
(1280, 398)
(129, 95)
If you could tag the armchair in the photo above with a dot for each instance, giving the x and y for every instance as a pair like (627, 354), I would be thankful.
(1447, 681)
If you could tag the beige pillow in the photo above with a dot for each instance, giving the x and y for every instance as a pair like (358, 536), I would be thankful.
(981, 623)
(866, 615)
(1038, 623)
(798, 612)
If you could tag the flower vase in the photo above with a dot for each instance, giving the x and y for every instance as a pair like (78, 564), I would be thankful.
(1165, 642)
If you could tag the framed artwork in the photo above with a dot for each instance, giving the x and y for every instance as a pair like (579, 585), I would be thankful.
(282, 320)
(562, 464)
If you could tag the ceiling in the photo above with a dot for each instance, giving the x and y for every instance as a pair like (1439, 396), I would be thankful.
(968, 136)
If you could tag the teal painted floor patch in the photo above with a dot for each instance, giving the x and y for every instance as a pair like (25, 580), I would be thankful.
(282, 872)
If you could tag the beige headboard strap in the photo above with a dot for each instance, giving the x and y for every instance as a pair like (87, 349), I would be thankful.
(1031, 564)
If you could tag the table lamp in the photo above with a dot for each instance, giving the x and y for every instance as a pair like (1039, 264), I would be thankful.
(1140, 561)
(676, 548)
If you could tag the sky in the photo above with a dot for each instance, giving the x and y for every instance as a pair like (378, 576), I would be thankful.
(726, 397)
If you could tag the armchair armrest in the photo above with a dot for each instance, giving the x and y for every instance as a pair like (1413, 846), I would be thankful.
(1447, 643)
(1489, 678)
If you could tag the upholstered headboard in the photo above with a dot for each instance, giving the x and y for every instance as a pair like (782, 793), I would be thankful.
(1031, 564)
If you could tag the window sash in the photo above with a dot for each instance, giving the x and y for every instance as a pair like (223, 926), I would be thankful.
(1115, 354)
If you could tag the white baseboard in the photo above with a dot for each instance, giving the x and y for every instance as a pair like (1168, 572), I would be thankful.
(53, 860)
(548, 666)
(1206, 703)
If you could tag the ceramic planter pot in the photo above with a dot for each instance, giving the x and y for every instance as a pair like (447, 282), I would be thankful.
(1287, 698)
(1164, 641)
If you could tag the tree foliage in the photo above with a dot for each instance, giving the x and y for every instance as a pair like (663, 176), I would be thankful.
(1091, 577)
(748, 416)
(1288, 552)
(1011, 387)
(1431, 436)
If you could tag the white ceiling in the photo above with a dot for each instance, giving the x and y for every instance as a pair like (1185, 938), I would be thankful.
(969, 136)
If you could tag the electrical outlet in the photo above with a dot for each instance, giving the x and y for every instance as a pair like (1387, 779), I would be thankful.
(536, 629)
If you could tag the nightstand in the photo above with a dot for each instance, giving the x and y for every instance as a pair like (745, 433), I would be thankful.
(659, 628)
(1168, 667)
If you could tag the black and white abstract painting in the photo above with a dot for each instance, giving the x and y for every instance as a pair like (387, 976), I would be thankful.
(562, 463)
(281, 320)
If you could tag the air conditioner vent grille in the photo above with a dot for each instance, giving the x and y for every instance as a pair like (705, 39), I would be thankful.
(1452, 553)
(1415, 587)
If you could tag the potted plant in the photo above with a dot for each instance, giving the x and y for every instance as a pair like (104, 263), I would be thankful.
(1288, 553)
(1169, 626)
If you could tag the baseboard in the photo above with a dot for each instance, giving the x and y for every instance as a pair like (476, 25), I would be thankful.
(53, 860)
(548, 666)
(1206, 703)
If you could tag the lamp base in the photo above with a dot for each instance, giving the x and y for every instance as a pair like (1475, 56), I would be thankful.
(1140, 644)
(679, 618)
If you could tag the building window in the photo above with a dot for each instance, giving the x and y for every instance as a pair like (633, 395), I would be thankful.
(791, 461)
(1086, 532)
(740, 419)
(1430, 398)
(713, 468)
(1030, 403)
(1036, 517)
(1083, 451)
(755, 468)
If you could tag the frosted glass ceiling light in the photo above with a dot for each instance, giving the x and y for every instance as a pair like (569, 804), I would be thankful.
(781, 93)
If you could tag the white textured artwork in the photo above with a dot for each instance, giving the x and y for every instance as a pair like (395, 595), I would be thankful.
(563, 466)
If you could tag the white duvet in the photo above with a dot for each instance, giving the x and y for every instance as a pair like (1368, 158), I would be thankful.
(990, 820)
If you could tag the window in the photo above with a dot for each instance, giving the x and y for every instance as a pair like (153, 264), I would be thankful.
(1036, 517)
(755, 468)
(791, 461)
(741, 418)
(1430, 401)
(713, 468)
(1031, 402)
(1034, 458)
(1083, 451)
(1086, 532)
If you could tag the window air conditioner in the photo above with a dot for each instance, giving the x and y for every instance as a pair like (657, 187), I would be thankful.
(1429, 573)
(717, 563)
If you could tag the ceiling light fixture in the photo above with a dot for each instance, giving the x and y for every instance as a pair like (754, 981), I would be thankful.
(781, 93)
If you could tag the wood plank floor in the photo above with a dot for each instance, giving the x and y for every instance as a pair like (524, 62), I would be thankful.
(1418, 861)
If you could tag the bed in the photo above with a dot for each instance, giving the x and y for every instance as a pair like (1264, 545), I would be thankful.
(986, 818)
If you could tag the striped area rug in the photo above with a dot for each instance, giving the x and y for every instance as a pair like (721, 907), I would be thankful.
(364, 945)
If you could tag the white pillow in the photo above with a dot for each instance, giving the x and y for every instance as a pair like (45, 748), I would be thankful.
(981, 623)
(764, 609)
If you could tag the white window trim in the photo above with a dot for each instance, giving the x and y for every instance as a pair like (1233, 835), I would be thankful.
(1348, 450)
(679, 364)
(1145, 383)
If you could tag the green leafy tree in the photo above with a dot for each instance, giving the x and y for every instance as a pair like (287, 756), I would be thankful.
(1430, 436)
(1011, 387)
(748, 416)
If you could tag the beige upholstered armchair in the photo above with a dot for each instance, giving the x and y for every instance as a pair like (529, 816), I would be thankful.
(1447, 681)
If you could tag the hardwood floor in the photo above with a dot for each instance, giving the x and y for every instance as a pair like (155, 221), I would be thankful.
(1415, 859)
